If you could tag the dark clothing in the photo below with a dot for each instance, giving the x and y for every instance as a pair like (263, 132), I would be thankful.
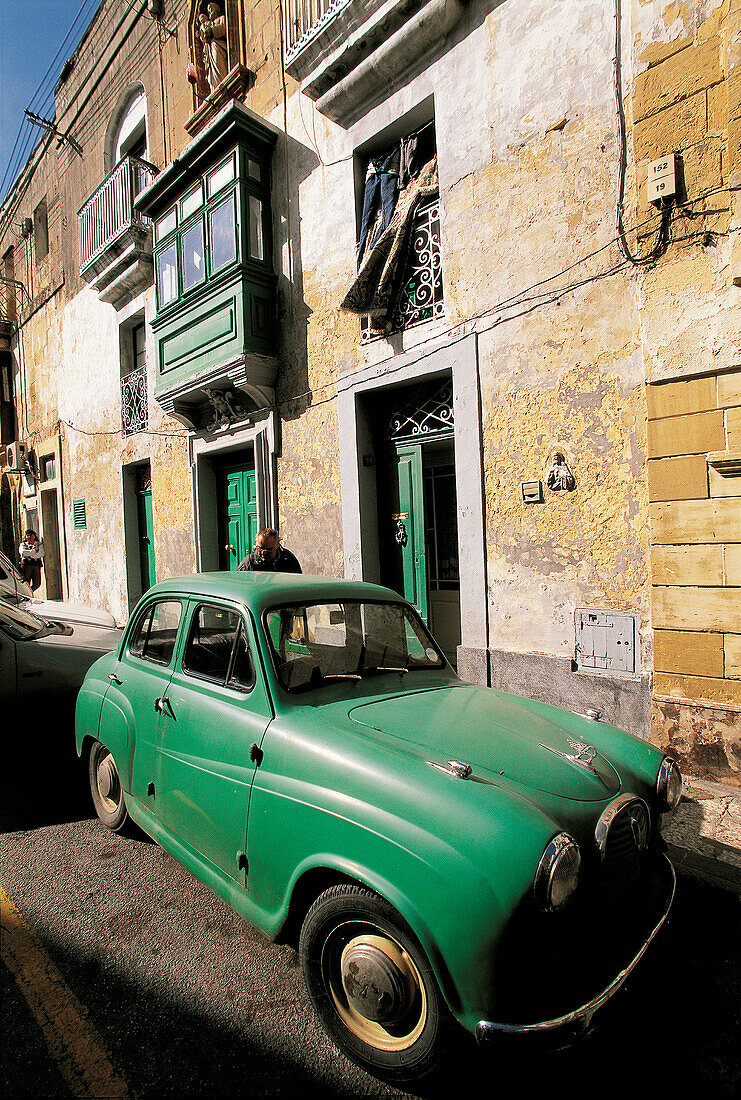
(381, 185)
(283, 562)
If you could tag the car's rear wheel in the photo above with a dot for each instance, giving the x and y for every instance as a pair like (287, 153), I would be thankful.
(372, 985)
(105, 787)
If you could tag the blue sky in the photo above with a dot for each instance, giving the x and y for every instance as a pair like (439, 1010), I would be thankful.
(31, 33)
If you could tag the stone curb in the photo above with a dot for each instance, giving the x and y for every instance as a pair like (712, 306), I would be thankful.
(703, 834)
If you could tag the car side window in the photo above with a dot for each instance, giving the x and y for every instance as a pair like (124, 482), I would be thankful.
(218, 649)
(154, 635)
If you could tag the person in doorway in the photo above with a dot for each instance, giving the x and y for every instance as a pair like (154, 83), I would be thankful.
(269, 556)
(31, 558)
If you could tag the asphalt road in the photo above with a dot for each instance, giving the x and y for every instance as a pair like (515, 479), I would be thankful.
(187, 1000)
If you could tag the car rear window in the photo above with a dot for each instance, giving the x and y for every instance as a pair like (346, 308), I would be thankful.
(218, 649)
(155, 633)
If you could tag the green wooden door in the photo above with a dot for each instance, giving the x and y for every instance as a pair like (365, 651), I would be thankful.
(146, 538)
(404, 527)
(237, 514)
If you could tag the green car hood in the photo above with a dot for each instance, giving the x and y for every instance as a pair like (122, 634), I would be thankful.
(498, 735)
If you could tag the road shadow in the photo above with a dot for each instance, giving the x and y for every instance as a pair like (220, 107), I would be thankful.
(42, 780)
(675, 1028)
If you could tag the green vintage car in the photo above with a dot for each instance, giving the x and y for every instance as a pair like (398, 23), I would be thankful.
(443, 854)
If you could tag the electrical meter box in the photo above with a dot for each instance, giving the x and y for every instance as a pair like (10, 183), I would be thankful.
(662, 182)
(605, 642)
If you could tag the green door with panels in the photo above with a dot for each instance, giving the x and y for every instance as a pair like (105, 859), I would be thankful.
(237, 514)
(404, 529)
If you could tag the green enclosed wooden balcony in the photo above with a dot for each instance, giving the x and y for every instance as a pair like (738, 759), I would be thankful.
(213, 261)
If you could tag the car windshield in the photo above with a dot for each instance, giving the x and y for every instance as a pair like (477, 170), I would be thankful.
(316, 644)
(21, 624)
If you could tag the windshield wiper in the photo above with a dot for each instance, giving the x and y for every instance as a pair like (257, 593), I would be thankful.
(318, 677)
(376, 670)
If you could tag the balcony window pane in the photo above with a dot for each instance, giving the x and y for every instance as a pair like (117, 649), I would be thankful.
(221, 177)
(166, 224)
(167, 275)
(253, 169)
(194, 268)
(191, 202)
(223, 237)
(257, 251)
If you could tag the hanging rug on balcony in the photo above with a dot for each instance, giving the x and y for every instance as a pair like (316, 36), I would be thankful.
(374, 287)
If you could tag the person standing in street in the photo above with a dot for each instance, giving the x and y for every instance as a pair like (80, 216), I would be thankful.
(269, 556)
(31, 558)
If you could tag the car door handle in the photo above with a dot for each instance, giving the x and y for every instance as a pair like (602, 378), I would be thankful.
(163, 706)
(113, 678)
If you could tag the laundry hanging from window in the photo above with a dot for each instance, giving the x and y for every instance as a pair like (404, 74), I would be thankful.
(387, 174)
(376, 284)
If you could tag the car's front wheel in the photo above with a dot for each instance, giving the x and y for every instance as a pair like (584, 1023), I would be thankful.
(372, 985)
(105, 787)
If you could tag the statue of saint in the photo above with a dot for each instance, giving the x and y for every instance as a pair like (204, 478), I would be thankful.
(212, 32)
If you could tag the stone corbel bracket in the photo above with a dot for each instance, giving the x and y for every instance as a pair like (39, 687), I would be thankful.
(375, 50)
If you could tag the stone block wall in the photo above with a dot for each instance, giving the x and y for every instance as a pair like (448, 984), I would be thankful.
(694, 429)
(686, 101)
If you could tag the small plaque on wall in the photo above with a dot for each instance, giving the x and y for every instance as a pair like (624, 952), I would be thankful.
(532, 492)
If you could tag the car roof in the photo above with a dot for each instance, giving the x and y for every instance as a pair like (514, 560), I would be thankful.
(259, 591)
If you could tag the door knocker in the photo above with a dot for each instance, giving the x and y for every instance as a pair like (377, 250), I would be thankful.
(400, 534)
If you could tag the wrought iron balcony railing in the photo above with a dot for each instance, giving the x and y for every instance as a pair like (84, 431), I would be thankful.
(109, 214)
(134, 413)
(305, 18)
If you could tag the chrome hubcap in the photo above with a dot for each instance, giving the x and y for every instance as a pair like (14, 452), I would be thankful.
(375, 986)
(108, 784)
(374, 983)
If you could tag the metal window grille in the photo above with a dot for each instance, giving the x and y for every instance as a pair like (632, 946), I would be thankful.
(134, 412)
(420, 295)
(427, 411)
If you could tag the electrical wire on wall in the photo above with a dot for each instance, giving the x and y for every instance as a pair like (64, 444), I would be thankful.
(661, 240)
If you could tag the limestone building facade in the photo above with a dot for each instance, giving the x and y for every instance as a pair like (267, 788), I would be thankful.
(448, 290)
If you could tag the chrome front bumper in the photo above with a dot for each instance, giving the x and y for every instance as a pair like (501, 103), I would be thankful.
(579, 1018)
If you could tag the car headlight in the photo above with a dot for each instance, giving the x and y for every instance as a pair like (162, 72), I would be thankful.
(668, 785)
(558, 872)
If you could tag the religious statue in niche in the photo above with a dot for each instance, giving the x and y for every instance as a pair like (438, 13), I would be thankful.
(212, 33)
(560, 477)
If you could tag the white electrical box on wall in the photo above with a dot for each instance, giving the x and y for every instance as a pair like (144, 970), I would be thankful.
(606, 642)
(662, 183)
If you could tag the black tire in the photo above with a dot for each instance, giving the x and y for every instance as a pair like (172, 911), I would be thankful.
(372, 986)
(105, 788)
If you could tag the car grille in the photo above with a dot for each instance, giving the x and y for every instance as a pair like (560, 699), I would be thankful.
(624, 844)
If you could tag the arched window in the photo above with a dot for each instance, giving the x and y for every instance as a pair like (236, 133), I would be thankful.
(127, 132)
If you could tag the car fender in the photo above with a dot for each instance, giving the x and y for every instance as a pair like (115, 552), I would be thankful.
(328, 868)
(454, 858)
(90, 701)
(95, 695)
